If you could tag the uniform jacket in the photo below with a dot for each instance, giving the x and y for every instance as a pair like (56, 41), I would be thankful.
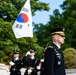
(15, 69)
(54, 61)
(30, 63)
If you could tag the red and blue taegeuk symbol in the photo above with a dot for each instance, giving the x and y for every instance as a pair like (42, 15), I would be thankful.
(23, 18)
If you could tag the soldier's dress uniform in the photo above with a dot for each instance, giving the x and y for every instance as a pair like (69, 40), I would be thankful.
(31, 64)
(54, 61)
(15, 69)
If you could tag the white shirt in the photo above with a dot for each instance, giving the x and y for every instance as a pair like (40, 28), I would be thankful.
(32, 57)
(57, 45)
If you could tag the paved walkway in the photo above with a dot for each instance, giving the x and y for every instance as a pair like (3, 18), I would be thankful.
(4, 70)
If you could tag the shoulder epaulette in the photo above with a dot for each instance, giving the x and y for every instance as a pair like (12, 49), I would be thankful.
(50, 46)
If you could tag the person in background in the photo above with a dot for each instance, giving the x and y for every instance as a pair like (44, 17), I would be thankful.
(15, 64)
(54, 59)
(31, 63)
(41, 64)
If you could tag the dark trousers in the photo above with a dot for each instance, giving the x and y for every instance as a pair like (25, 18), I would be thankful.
(42, 72)
(15, 73)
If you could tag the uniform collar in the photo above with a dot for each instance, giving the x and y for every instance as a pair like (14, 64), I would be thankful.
(15, 59)
(32, 57)
(56, 45)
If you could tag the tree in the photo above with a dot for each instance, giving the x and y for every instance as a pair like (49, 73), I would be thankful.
(1, 55)
(43, 31)
(66, 19)
(70, 57)
(69, 17)
(9, 9)
(8, 12)
(40, 31)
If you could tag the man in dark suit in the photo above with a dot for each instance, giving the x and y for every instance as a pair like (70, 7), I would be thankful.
(15, 64)
(54, 60)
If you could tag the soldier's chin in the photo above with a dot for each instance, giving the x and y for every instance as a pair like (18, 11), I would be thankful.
(63, 42)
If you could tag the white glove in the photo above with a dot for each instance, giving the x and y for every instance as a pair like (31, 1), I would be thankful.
(42, 60)
(38, 67)
(12, 63)
(29, 71)
(28, 53)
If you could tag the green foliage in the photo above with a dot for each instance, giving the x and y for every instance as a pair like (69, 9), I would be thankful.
(1, 55)
(9, 9)
(65, 19)
(70, 57)
(8, 42)
(69, 17)
(40, 31)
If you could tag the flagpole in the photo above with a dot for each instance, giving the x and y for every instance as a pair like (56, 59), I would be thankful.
(29, 43)
(22, 26)
(29, 50)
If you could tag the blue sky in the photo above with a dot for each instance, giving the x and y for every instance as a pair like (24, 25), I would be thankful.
(43, 16)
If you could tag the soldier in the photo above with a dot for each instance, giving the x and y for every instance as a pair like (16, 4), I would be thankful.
(41, 64)
(31, 62)
(15, 64)
(54, 60)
